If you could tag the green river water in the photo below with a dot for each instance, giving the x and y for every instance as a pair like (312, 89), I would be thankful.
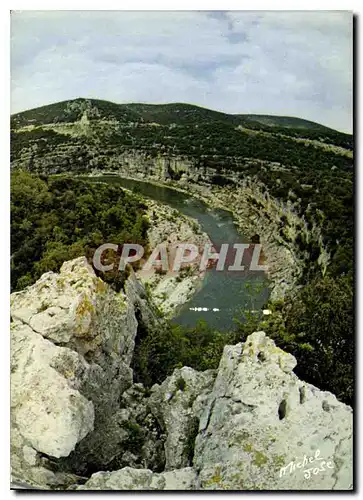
(228, 293)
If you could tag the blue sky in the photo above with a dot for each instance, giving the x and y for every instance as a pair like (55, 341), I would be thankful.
(282, 63)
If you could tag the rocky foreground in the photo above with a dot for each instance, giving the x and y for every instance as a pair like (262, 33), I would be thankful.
(79, 421)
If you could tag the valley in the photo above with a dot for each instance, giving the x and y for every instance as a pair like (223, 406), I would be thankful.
(163, 380)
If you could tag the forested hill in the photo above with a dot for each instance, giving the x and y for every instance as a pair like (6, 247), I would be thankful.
(215, 139)
(167, 114)
(289, 122)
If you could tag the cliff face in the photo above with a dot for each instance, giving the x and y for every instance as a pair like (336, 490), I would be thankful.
(277, 224)
(78, 421)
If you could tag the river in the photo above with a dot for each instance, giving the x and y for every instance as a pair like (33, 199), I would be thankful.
(224, 296)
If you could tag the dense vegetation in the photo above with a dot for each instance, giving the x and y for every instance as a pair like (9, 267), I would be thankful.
(318, 180)
(316, 325)
(159, 352)
(296, 161)
(58, 219)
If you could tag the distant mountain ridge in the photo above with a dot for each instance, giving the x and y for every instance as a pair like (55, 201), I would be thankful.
(164, 114)
(287, 121)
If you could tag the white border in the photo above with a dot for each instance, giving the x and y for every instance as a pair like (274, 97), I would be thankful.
(144, 5)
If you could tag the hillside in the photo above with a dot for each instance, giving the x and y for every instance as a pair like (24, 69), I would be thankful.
(165, 114)
(176, 129)
(287, 122)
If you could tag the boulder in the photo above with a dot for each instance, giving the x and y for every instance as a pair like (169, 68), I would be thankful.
(72, 340)
(174, 404)
(47, 408)
(142, 479)
(77, 309)
(49, 415)
(263, 428)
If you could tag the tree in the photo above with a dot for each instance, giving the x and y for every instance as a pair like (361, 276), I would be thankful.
(317, 327)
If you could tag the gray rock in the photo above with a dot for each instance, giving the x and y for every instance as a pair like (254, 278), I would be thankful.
(261, 418)
(50, 414)
(173, 404)
(250, 425)
(77, 309)
(72, 340)
(142, 479)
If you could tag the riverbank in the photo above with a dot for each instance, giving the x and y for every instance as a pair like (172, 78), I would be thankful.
(170, 290)
(257, 216)
(220, 298)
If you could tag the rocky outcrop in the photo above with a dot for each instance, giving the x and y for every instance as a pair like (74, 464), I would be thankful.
(261, 421)
(260, 427)
(142, 479)
(76, 309)
(72, 341)
(49, 415)
(174, 404)
(78, 421)
(168, 228)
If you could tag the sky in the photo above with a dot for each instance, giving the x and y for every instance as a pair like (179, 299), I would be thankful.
(280, 63)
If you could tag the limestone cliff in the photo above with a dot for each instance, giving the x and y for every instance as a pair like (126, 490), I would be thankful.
(79, 422)
(72, 341)
(276, 223)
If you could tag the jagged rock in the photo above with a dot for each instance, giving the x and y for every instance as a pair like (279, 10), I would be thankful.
(261, 428)
(48, 414)
(261, 418)
(172, 403)
(145, 311)
(75, 410)
(77, 309)
(142, 479)
(72, 340)
(47, 409)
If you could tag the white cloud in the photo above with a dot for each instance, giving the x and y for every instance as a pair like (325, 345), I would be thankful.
(287, 63)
